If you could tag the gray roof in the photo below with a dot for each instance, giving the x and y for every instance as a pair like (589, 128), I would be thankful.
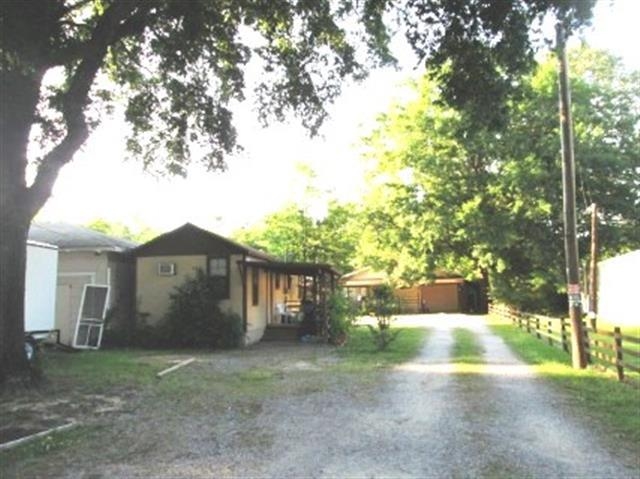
(80, 238)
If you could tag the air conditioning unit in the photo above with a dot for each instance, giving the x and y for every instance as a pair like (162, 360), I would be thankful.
(166, 269)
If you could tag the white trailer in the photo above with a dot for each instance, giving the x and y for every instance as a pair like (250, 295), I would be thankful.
(40, 290)
(618, 289)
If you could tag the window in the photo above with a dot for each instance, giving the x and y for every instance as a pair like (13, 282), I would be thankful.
(219, 273)
(255, 286)
(277, 280)
(166, 269)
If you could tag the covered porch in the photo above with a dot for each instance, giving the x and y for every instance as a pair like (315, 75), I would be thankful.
(297, 299)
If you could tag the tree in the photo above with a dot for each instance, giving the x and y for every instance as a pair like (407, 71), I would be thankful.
(181, 64)
(292, 235)
(462, 197)
(139, 234)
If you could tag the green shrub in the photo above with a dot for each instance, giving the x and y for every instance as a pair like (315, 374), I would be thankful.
(342, 315)
(195, 320)
(383, 305)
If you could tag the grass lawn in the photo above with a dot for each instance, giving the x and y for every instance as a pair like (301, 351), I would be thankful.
(360, 353)
(598, 395)
(228, 388)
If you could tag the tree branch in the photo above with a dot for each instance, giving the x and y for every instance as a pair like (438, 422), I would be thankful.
(75, 101)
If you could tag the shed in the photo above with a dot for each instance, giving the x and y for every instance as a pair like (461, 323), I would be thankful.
(87, 257)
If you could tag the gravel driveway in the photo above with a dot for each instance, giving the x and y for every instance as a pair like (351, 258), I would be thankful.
(423, 419)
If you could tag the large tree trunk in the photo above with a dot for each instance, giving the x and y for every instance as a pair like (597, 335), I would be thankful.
(19, 96)
(13, 253)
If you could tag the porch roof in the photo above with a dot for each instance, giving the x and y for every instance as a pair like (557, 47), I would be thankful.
(297, 268)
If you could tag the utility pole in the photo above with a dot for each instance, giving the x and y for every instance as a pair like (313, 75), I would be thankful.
(578, 357)
(593, 267)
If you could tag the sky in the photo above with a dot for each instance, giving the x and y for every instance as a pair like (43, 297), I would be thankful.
(98, 183)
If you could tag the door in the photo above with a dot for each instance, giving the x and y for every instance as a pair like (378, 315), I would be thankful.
(90, 324)
(68, 297)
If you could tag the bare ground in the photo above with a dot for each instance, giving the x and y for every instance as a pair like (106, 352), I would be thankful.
(293, 415)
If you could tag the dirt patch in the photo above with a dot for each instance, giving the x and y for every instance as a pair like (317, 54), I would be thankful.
(23, 418)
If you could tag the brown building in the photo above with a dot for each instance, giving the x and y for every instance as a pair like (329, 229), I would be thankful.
(446, 294)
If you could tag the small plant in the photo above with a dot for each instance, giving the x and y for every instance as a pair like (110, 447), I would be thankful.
(342, 315)
(383, 306)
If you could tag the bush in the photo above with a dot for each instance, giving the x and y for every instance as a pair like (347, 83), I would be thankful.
(342, 315)
(195, 320)
(383, 306)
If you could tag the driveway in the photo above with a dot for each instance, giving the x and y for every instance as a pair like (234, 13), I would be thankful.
(421, 419)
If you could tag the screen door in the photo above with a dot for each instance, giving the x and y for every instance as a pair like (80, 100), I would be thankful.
(90, 324)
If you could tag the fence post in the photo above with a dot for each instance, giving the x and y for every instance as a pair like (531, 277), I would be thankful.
(617, 338)
(563, 334)
(538, 328)
(528, 323)
(587, 346)
(549, 333)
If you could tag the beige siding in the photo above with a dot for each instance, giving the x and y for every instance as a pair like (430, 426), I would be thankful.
(153, 290)
(95, 264)
(234, 303)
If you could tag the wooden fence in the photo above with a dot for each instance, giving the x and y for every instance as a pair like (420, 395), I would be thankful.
(610, 349)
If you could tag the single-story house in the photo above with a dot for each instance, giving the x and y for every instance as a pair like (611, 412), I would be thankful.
(40, 288)
(266, 293)
(95, 275)
(448, 293)
(618, 289)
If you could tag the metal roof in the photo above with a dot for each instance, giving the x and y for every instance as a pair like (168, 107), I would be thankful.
(69, 237)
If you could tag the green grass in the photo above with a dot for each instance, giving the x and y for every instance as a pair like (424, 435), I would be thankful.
(360, 351)
(597, 395)
(466, 348)
(101, 371)
(195, 390)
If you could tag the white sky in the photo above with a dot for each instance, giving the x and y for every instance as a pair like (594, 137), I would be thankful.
(99, 184)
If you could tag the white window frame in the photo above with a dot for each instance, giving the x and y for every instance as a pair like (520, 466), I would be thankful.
(171, 268)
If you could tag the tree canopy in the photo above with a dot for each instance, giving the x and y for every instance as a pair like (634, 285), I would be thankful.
(452, 194)
(292, 234)
(179, 65)
(139, 234)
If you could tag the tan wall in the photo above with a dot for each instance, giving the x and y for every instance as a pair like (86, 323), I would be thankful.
(84, 262)
(234, 303)
(153, 290)
(257, 315)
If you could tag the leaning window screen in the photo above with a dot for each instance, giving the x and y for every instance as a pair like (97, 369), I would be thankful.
(94, 302)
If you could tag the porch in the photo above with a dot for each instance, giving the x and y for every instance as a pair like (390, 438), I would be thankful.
(298, 300)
